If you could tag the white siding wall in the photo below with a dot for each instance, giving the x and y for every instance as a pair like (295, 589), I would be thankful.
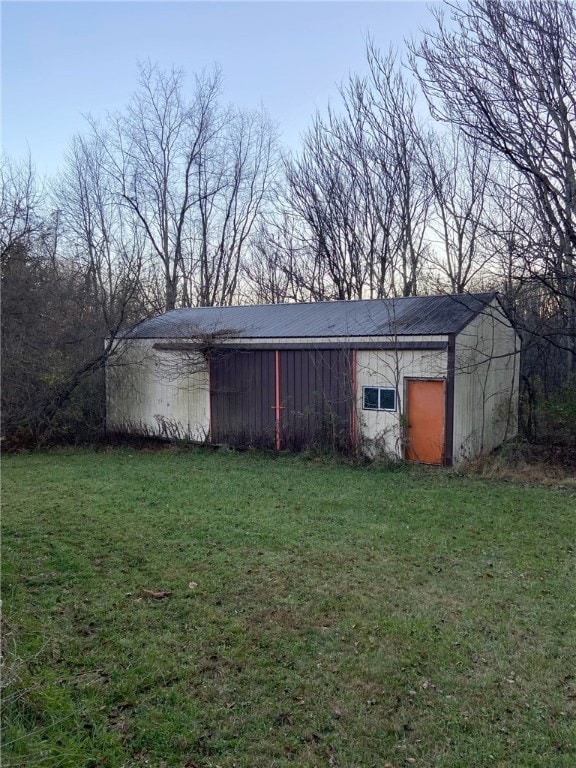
(381, 431)
(485, 384)
(158, 392)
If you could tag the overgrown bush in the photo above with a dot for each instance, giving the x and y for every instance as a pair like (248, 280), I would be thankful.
(557, 416)
(549, 419)
(50, 334)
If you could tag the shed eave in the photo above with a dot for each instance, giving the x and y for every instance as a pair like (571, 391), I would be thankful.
(366, 342)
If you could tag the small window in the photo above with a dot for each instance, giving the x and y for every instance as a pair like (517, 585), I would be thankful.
(379, 398)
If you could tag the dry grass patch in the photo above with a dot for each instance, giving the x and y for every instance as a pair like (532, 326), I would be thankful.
(525, 463)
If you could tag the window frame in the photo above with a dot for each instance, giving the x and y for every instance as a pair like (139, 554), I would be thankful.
(380, 390)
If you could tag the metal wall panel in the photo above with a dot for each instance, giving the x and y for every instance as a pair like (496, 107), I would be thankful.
(487, 363)
(316, 398)
(242, 397)
(156, 392)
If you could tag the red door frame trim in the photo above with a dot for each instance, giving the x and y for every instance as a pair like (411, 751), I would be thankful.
(209, 361)
(354, 396)
(278, 442)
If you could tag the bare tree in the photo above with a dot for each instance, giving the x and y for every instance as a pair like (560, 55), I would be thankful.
(361, 186)
(371, 166)
(19, 202)
(280, 266)
(103, 239)
(151, 152)
(194, 176)
(233, 177)
(329, 198)
(515, 238)
(459, 172)
(388, 103)
(504, 73)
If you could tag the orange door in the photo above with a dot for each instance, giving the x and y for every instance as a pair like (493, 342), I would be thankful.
(425, 417)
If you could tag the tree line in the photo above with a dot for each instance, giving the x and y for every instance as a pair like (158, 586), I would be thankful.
(180, 200)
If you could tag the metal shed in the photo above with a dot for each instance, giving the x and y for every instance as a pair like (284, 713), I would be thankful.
(431, 379)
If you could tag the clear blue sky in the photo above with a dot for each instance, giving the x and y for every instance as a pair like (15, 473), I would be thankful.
(61, 60)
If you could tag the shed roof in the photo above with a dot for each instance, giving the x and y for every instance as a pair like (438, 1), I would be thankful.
(407, 316)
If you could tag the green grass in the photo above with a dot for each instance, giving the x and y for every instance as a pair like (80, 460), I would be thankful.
(320, 614)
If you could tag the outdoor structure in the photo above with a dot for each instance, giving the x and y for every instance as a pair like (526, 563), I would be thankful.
(431, 379)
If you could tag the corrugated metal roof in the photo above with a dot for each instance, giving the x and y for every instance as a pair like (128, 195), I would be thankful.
(409, 316)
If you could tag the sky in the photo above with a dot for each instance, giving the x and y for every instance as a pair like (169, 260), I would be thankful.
(64, 60)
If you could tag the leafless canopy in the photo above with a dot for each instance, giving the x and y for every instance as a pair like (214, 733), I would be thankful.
(504, 73)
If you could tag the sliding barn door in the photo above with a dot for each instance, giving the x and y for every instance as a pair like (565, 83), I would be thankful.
(242, 398)
(315, 398)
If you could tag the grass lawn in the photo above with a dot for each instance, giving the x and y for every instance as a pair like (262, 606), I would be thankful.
(319, 614)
